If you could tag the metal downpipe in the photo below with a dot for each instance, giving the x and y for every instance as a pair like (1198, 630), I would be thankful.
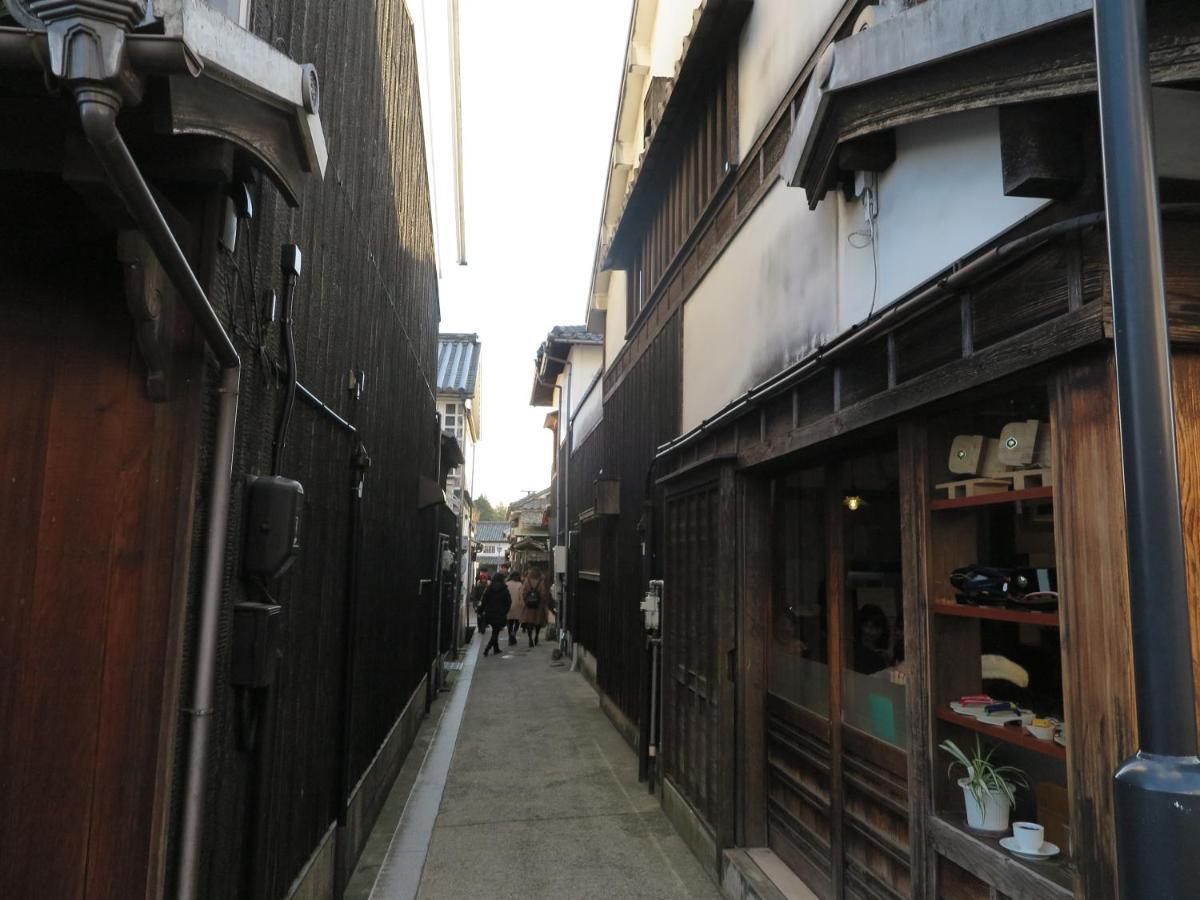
(98, 110)
(1157, 791)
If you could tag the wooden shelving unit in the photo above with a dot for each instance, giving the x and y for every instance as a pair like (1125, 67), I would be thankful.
(1009, 529)
(997, 614)
(1037, 493)
(1009, 734)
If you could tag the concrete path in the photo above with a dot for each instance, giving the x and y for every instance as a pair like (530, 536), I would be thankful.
(541, 798)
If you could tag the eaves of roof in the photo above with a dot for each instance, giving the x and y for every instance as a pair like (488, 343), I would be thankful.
(715, 24)
(933, 33)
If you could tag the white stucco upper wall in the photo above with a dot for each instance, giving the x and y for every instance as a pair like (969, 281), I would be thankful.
(768, 301)
(586, 361)
(776, 42)
(590, 414)
(942, 198)
(615, 315)
(793, 279)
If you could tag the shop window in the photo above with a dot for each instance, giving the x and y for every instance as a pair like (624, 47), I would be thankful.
(873, 685)
(994, 604)
(799, 649)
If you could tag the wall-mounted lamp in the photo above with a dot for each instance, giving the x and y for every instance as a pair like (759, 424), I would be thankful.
(853, 502)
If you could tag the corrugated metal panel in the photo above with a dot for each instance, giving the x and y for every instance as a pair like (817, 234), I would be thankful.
(458, 363)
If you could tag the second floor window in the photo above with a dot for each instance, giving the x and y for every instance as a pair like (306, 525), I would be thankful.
(452, 419)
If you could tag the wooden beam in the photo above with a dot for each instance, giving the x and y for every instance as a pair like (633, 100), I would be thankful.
(1068, 333)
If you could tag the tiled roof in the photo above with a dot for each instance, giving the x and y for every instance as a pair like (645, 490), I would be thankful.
(573, 334)
(547, 367)
(458, 363)
(537, 500)
(492, 532)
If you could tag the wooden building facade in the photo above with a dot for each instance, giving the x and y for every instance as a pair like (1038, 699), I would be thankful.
(905, 255)
(109, 412)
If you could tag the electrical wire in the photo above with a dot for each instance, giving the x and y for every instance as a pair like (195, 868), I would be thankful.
(869, 237)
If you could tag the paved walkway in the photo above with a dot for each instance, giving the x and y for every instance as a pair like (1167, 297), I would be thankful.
(536, 795)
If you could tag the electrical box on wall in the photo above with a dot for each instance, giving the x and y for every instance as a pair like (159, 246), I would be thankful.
(273, 508)
(255, 643)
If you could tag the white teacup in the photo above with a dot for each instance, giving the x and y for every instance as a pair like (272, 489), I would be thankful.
(1030, 836)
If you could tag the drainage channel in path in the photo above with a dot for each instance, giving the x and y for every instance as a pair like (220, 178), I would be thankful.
(400, 874)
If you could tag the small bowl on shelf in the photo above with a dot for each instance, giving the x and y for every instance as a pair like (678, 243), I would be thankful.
(1042, 729)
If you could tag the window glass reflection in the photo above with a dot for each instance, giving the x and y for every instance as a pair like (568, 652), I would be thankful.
(799, 647)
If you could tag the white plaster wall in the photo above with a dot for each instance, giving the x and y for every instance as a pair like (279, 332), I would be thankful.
(942, 198)
(671, 25)
(769, 301)
(591, 414)
(614, 318)
(777, 41)
(586, 360)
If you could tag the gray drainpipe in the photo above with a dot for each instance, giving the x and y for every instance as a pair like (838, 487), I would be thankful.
(98, 109)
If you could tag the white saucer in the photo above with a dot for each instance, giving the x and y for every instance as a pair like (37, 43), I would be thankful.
(1045, 851)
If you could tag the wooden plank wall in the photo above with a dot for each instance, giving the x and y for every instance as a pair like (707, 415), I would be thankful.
(97, 602)
(94, 486)
(583, 612)
(639, 416)
(367, 300)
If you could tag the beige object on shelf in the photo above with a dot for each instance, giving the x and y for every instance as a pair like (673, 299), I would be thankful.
(1025, 444)
(974, 454)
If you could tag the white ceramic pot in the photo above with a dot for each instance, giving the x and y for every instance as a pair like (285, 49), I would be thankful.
(994, 817)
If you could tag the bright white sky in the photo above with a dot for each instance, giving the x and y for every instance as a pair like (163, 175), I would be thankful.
(540, 82)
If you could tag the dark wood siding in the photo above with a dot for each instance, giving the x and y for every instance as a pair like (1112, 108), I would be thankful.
(104, 521)
(584, 611)
(368, 300)
(641, 414)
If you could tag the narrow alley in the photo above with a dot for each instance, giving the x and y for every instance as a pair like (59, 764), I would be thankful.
(519, 786)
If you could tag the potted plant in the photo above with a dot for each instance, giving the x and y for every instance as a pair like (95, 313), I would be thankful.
(987, 788)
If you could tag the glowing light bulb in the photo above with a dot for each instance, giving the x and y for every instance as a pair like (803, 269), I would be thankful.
(853, 502)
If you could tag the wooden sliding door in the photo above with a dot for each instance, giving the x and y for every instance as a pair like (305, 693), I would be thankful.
(699, 636)
(834, 767)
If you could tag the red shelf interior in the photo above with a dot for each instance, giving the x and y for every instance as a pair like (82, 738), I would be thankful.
(1009, 734)
(996, 614)
(1037, 493)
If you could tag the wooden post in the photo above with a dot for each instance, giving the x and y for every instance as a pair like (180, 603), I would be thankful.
(914, 529)
(1089, 531)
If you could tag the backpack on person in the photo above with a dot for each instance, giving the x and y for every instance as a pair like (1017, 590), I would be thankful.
(532, 599)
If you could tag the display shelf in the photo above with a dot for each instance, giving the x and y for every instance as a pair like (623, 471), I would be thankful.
(1037, 493)
(1006, 733)
(996, 614)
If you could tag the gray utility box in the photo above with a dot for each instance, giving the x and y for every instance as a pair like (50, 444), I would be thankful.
(273, 508)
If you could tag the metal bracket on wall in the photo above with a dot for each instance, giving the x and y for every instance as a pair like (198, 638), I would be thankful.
(151, 301)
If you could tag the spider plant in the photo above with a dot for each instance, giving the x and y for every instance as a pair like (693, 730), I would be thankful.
(984, 778)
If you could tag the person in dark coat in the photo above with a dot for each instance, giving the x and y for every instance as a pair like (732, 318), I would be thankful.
(496, 601)
(481, 584)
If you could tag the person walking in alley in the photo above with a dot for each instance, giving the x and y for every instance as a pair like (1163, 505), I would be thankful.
(535, 614)
(481, 584)
(496, 601)
(516, 590)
